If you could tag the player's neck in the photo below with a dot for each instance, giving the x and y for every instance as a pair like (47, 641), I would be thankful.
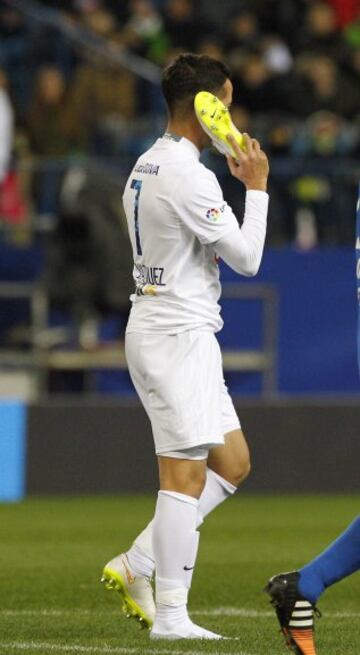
(186, 130)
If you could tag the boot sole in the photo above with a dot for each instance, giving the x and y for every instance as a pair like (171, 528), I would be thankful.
(113, 581)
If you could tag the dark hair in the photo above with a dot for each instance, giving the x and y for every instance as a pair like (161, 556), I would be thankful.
(187, 75)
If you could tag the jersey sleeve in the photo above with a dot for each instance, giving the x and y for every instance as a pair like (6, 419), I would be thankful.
(201, 207)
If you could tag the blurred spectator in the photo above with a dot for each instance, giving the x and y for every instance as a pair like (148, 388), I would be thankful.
(52, 124)
(102, 92)
(99, 20)
(182, 25)
(326, 134)
(243, 30)
(321, 34)
(331, 89)
(101, 88)
(323, 202)
(144, 31)
(255, 88)
(54, 131)
(318, 83)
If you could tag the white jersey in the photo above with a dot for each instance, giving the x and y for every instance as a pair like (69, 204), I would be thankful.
(175, 212)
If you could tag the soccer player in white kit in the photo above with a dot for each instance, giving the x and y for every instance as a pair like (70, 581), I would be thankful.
(179, 225)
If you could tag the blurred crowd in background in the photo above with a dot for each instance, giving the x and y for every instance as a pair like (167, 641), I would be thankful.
(296, 75)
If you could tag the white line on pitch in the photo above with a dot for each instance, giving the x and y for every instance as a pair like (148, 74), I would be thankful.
(217, 611)
(100, 650)
(233, 611)
(263, 614)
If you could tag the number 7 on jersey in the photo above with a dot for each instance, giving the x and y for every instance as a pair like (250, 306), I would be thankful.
(137, 184)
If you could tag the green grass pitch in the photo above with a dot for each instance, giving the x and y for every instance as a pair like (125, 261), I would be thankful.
(52, 551)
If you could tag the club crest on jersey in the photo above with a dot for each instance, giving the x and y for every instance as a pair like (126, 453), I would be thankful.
(214, 213)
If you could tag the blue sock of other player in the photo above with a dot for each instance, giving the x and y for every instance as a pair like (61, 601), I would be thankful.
(339, 560)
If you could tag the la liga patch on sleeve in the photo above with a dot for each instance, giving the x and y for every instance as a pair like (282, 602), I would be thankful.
(214, 213)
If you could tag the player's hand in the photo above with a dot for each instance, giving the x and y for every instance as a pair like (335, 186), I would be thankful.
(251, 165)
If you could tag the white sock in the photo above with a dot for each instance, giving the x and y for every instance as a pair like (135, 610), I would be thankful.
(140, 555)
(175, 545)
(216, 490)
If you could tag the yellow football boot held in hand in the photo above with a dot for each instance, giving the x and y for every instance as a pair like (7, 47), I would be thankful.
(216, 121)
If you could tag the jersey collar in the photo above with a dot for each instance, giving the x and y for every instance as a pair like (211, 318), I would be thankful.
(185, 143)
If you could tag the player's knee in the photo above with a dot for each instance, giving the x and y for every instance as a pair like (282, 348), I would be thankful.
(182, 476)
(190, 485)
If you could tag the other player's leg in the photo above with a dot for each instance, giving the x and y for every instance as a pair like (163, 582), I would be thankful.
(294, 594)
(339, 560)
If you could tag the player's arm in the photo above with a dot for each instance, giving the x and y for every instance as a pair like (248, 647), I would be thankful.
(242, 248)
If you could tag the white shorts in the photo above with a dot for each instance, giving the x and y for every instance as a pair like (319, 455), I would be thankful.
(179, 379)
